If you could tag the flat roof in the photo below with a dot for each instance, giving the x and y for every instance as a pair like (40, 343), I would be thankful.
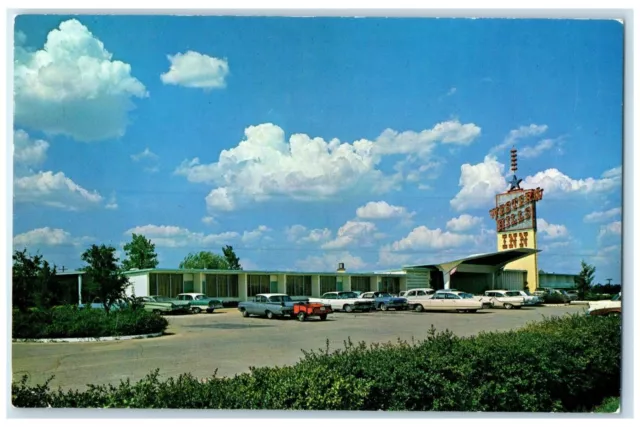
(212, 271)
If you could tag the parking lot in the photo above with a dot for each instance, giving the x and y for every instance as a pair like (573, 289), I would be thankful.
(226, 341)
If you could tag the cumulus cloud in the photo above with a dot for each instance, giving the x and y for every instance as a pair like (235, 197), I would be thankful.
(362, 233)
(329, 262)
(612, 229)
(516, 134)
(382, 210)
(148, 158)
(556, 183)
(209, 220)
(47, 237)
(538, 149)
(28, 152)
(300, 234)
(463, 223)
(73, 87)
(480, 183)
(265, 165)
(600, 216)
(112, 203)
(424, 238)
(54, 190)
(195, 70)
(551, 231)
(171, 236)
(255, 235)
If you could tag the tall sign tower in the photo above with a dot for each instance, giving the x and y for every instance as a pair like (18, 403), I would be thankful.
(515, 217)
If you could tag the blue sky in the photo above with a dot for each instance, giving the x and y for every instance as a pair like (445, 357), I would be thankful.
(308, 142)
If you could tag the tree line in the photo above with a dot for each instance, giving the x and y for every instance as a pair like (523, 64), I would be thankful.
(36, 282)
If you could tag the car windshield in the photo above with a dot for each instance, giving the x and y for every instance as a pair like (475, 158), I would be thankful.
(383, 295)
(199, 297)
(162, 299)
(346, 295)
(280, 298)
(466, 295)
(512, 294)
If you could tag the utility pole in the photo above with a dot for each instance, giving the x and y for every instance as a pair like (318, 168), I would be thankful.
(63, 268)
(609, 280)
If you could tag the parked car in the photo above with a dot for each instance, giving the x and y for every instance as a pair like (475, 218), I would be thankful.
(97, 304)
(503, 298)
(199, 302)
(573, 295)
(529, 299)
(612, 307)
(269, 305)
(345, 300)
(161, 304)
(385, 301)
(445, 301)
(417, 292)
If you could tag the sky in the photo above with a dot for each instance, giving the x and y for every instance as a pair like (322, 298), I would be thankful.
(304, 142)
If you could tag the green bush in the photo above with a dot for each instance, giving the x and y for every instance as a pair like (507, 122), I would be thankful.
(555, 298)
(597, 297)
(560, 364)
(71, 322)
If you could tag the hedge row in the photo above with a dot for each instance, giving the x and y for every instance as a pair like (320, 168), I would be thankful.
(70, 322)
(559, 364)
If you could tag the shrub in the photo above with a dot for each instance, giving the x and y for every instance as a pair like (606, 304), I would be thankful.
(555, 298)
(559, 364)
(71, 322)
(597, 297)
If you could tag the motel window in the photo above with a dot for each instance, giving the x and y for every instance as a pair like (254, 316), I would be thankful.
(328, 284)
(360, 283)
(299, 286)
(391, 285)
(221, 285)
(166, 284)
(258, 284)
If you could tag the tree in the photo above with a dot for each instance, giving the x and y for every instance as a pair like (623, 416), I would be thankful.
(34, 281)
(585, 279)
(104, 274)
(232, 258)
(141, 253)
(205, 260)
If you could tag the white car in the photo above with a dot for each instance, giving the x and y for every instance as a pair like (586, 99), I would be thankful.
(504, 298)
(530, 299)
(346, 301)
(607, 307)
(418, 292)
(446, 301)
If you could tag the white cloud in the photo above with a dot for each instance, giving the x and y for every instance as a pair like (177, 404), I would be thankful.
(300, 234)
(54, 190)
(361, 233)
(209, 220)
(382, 210)
(538, 149)
(266, 165)
(551, 231)
(480, 183)
(254, 235)
(329, 262)
(112, 203)
(424, 238)
(556, 183)
(600, 216)
(517, 134)
(610, 230)
(28, 152)
(174, 237)
(145, 154)
(73, 87)
(195, 70)
(463, 223)
(47, 237)
(452, 91)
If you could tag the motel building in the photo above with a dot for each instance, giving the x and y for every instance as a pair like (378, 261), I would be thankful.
(514, 266)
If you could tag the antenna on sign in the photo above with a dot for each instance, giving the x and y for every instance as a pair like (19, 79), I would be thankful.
(514, 184)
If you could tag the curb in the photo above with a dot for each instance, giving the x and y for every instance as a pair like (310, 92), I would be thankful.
(122, 338)
(555, 305)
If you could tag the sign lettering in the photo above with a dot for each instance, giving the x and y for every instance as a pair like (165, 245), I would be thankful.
(515, 210)
(515, 240)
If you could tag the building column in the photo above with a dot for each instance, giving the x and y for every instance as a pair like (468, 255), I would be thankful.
(282, 284)
(315, 286)
(447, 279)
(242, 287)
(79, 288)
(346, 282)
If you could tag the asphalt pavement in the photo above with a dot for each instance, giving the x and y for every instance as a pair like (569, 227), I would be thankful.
(226, 341)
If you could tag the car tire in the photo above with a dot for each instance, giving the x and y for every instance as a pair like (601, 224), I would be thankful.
(196, 310)
(348, 308)
(508, 306)
(302, 316)
(384, 307)
(244, 313)
(210, 310)
(323, 317)
(472, 311)
(156, 311)
(270, 315)
(419, 308)
(461, 311)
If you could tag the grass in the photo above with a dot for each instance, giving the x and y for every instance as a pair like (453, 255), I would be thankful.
(608, 406)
